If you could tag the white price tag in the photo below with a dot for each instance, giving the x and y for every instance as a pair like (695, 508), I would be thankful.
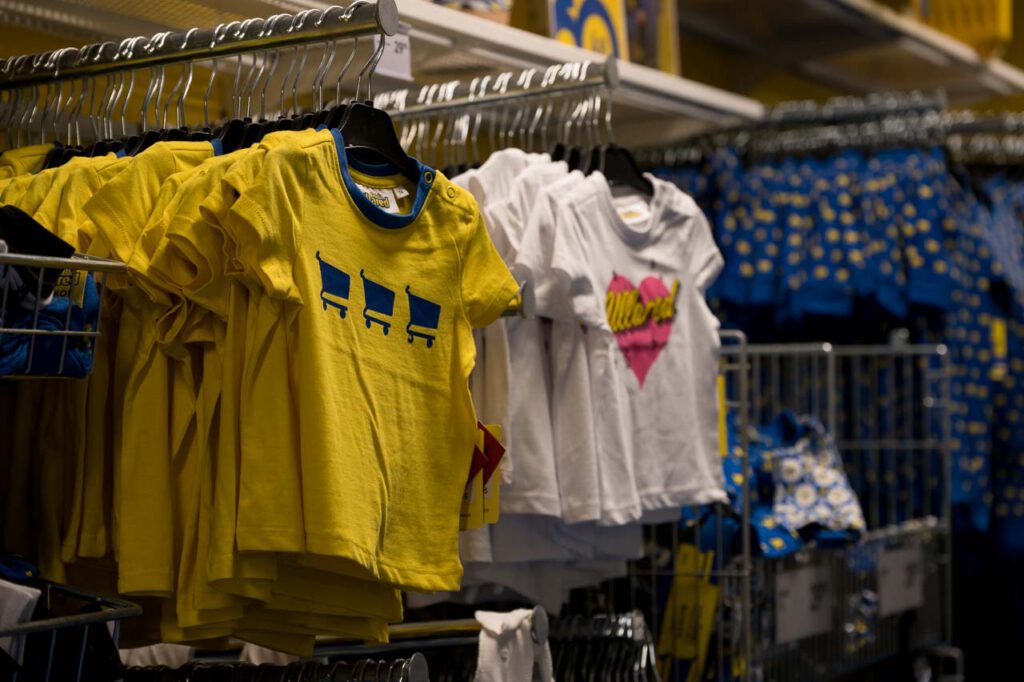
(900, 580)
(396, 61)
(803, 603)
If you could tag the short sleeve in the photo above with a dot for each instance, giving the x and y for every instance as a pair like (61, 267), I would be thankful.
(548, 288)
(119, 220)
(566, 256)
(571, 272)
(487, 285)
(263, 217)
(496, 220)
(705, 259)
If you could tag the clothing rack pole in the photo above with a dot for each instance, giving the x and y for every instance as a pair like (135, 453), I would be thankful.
(410, 636)
(851, 109)
(362, 18)
(506, 87)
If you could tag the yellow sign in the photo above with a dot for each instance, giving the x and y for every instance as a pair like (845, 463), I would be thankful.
(598, 25)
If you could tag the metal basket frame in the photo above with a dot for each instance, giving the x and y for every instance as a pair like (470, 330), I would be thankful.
(111, 611)
(760, 381)
(76, 264)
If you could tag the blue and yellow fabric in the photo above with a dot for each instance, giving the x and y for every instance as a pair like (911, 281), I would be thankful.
(811, 488)
(828, 286)
(818, 245)
(74, 309)
(882, 253)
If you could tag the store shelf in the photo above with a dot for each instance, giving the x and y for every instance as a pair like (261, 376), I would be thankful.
(856, 46)
(650, 105)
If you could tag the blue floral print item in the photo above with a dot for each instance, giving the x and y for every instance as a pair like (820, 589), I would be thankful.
(811, 487)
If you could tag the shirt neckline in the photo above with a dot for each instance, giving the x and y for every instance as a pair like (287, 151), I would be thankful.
(371, 212)
(633, 235)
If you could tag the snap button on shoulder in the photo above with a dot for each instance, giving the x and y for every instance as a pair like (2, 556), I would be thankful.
(451, 192)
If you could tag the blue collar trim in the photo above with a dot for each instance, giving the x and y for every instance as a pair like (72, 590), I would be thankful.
(373, 213)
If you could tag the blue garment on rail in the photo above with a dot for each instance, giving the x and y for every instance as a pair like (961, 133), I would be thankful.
(968, 334)
(1008, 446)
(41, 354)
(795, 222)
(827, 286)
(922, 216)
(882, 253)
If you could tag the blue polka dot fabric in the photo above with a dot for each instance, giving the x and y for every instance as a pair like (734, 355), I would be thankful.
(849, 245)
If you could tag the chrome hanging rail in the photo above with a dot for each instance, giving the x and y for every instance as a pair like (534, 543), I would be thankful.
(361, 18)
(504, 87)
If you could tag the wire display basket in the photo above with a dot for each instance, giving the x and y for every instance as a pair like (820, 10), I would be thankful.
(77, 642)
(827, 610)
(50, 312)
(725, 606)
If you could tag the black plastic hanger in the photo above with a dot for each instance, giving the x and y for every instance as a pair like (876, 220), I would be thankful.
(366, 127)
(231, 135)
(620, 168)
(144, 141)
(54, 157)
(574, 157)
(558, 152)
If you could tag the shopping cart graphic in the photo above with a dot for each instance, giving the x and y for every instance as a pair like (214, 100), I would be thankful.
(334, 283)
(423, 315)
(379, 300)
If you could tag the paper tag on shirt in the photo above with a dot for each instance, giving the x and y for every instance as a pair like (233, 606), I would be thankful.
(396, 60)
(400, 192)
(494, 451)
(71, 284)
(382, 197)
(1000, 347)
(635, 212)
(472, 513)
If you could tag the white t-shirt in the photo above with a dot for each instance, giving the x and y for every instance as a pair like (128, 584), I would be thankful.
(571, 410)
(639, 273)
(534, 489)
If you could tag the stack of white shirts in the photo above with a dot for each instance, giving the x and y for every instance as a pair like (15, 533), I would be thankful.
(607, 398)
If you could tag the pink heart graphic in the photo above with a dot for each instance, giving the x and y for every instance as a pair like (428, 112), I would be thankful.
(641, 320)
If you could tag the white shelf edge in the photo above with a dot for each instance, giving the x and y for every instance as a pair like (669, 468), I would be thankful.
(639, 85)
(932, 39)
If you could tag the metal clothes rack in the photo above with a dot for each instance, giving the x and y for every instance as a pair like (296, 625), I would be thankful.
(505, 87)
(361, 18)
(806, 126)
(88, 612)
(443, 122)
(410, 636)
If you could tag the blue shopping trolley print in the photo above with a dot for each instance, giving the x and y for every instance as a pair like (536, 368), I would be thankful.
(423, 317)
(334, 284)
(379, 300)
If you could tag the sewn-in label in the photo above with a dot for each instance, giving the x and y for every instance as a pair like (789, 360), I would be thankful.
(634, 213)
(381, 197)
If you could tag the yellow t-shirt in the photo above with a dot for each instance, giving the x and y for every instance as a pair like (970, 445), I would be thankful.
(382, 347)
(60, 210)
(55, 195)
(23, 160)
(298, 590)
(144, 506)
(28, 191)
(251, 414)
